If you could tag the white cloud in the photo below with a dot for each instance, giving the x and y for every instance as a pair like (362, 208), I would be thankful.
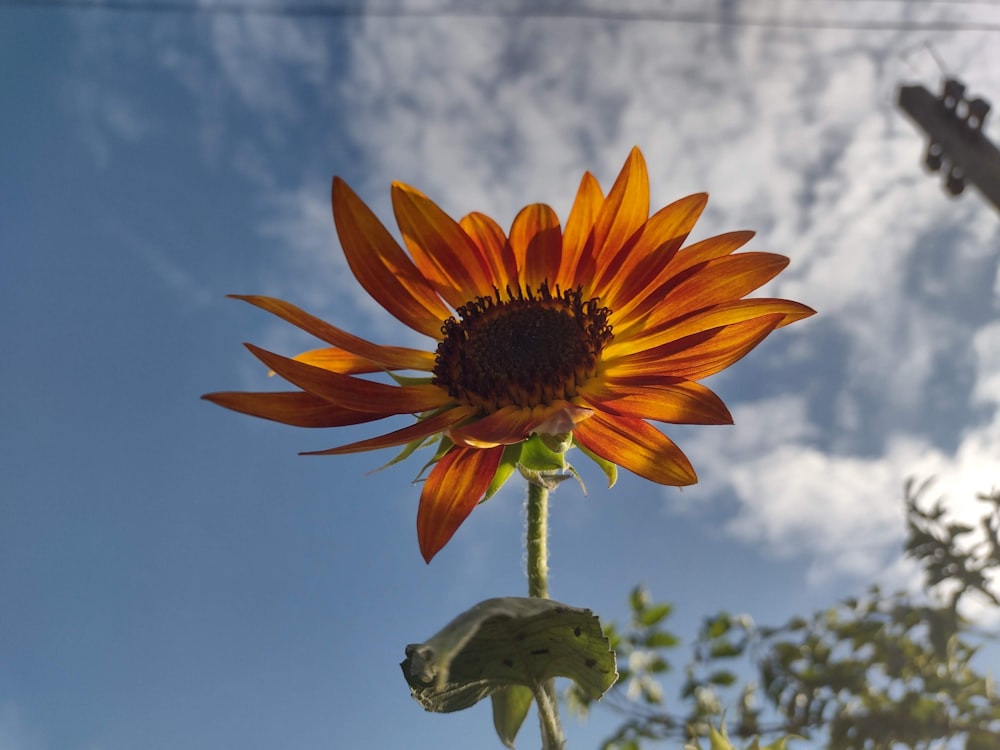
(263, 57)
(795, 134)
(987, 346)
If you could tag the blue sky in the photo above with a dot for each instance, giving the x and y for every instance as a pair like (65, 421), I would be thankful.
(174, 575)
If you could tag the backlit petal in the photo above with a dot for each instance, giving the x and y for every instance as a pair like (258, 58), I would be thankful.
(651, 295)
(389, 357)
(656, 244)
(422, 429)
(354, 393)
(452, 490)
(337, 360)
(441, 249)
(536, 241)
(712, 247)
(296, 408)
(699, 355)
(726, 313)
(381, 266)
(578, 260)
(637, 446)
(720, 280)
(679, 403)
(511, 424)
(653, 247)
(493, 245)
(624, 210)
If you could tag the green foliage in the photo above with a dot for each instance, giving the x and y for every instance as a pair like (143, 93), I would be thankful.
(719, 740)
(639, 649)
(875, 672)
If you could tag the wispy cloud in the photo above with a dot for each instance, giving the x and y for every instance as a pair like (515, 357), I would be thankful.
(794, 134)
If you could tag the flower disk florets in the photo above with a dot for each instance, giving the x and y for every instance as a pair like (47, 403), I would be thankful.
(526, 348)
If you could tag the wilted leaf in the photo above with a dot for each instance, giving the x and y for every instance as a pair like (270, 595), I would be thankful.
(508, 641)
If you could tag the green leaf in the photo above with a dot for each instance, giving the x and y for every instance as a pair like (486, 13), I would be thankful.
(638, 599)
(724, 650)
(508, 641)
(721, 625)
(510, 707)
(722, 677)
(660, 639)
(654, 615)
(719, 740)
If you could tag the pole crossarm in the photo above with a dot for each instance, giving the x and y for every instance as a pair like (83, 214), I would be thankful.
(954, 126)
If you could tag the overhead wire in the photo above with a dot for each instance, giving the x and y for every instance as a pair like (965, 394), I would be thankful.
(322, 10)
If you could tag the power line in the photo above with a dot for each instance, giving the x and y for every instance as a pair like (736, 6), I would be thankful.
(316, 10)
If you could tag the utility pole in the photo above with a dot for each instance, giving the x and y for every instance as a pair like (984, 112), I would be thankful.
(954, 126)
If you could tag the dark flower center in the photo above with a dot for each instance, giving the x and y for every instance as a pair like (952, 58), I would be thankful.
(526, 348)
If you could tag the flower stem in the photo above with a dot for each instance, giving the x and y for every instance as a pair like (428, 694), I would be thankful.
(538, 586)
(538, 537)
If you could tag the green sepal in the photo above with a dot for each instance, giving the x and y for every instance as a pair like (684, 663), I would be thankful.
(557, 443)
(610, 470)
(409, 379)
(407, 451)
(536, 455)
(443, 447)
(414, 445)
(510, 708)
(541, 465)
(508, 462)
(548, 480)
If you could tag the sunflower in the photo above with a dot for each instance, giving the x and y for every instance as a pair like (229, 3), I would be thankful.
(547, 337)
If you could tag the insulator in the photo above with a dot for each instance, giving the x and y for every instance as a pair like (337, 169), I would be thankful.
(934, 156)
(955, 182)
(978, 110)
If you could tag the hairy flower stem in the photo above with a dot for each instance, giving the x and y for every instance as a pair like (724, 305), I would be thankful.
(538, 586)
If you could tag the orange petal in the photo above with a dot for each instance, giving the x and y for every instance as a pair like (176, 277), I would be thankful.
(727, 313)
(698, 355)
(381, 266)
(712, 247)
(354, 393)
(624, 210)
(294, 407)
(717, 281)
(577, 260)
(492, 243)
(536, 241)
(508, 425)
(678, 403)
(440, 247)
(389, 357)
(637, 446)
(421, 429)
(338, 360)
(655, 245)
(453, 488)
(685, 258)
